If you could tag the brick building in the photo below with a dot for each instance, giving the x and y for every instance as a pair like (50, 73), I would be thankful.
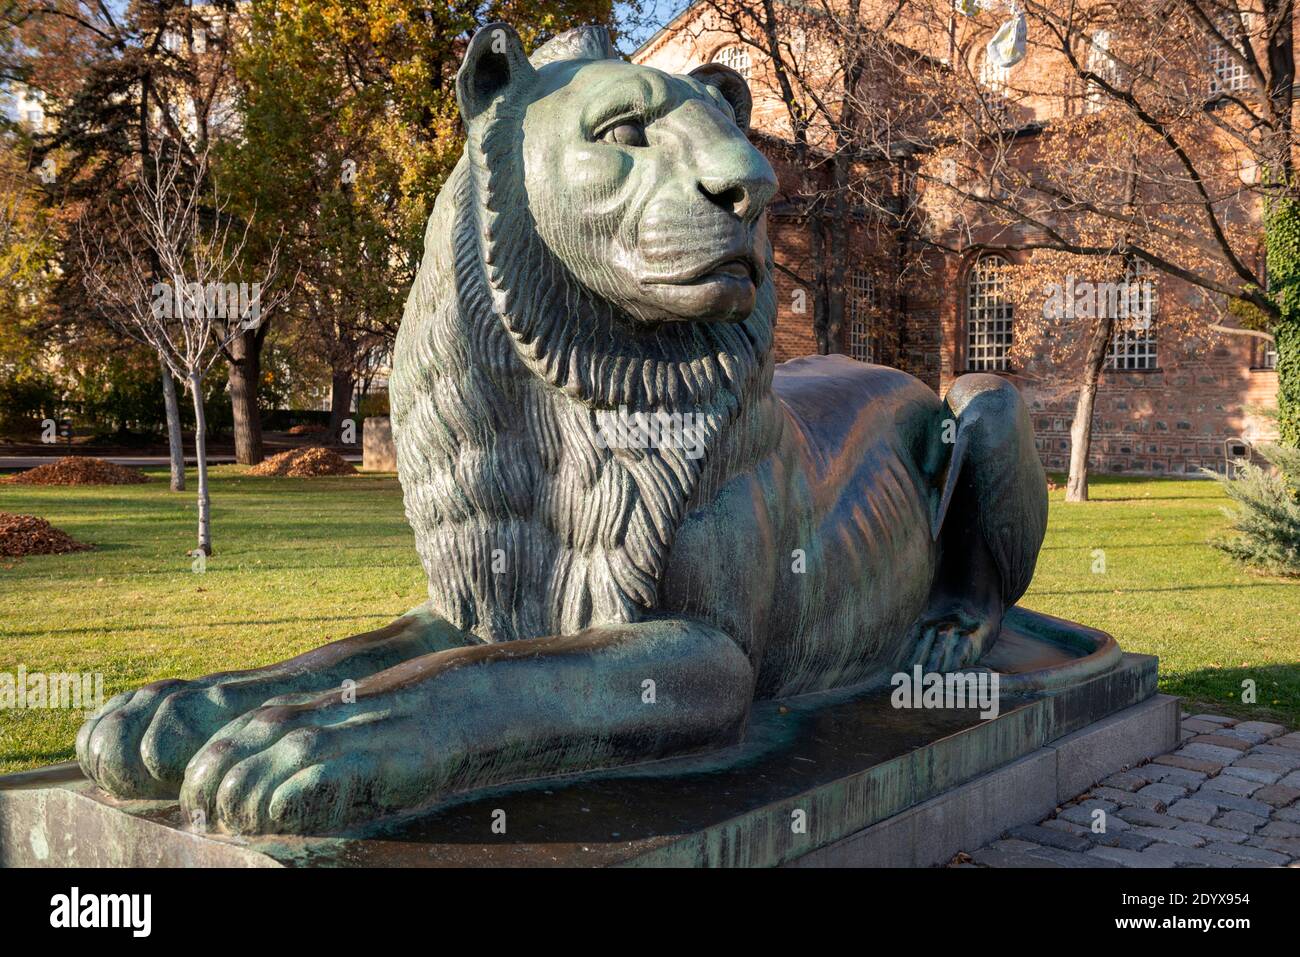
(1160, 408)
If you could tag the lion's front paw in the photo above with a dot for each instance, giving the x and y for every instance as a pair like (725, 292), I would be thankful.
(139, 743)
(110, 744)
(952, 641)
(303, 767)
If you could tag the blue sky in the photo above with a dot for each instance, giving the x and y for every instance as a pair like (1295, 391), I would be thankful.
(654, 13)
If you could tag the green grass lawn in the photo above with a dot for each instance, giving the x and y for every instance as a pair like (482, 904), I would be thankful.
(300, 562)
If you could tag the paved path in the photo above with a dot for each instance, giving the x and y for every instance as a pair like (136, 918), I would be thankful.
(1228, 796)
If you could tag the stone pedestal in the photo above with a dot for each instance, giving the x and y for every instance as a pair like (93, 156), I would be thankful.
(822, 780)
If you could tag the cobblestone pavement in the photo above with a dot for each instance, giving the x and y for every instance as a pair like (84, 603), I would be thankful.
(1228, 796)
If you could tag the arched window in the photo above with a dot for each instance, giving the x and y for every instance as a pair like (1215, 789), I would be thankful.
(1133, 345)
(863, 307)
(988, 315)
(736, 57)
(1102, 64)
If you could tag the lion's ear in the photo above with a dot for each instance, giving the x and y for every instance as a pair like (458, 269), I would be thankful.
(732, 86)
(494, 62)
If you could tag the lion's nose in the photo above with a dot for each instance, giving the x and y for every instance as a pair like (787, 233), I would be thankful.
(744, 195)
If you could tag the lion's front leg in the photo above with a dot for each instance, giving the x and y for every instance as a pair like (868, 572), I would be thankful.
(138, 744)
(471, 717)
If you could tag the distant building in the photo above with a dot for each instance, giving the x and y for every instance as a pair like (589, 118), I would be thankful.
(27, 108)
(1158, 410)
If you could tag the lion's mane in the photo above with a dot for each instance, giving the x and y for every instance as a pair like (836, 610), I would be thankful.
(506, 368)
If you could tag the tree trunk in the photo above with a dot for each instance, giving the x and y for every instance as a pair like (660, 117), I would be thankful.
(245, 371)
(836, 294)
(838, 227)
(175, 449)
(341, 388)
(1076, 489)
(201, 460)
(821, 285)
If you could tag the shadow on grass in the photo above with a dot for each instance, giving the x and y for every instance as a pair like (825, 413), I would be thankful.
(1152, 498)
(1100, 483)
(1120, 548)
(245, 564)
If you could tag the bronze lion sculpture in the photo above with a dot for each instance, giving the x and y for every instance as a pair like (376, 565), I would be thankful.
(599, 255)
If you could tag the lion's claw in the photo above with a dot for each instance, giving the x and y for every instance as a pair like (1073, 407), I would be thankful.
(109, 743)
(306, 767)
(139, 743)
(950, 642)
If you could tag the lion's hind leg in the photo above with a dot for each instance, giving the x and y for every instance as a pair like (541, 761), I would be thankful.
(990, 516)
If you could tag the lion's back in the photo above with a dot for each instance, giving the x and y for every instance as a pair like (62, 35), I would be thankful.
(840, 406)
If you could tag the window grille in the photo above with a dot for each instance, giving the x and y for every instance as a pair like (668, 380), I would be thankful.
(1133, 344)
(988, 315)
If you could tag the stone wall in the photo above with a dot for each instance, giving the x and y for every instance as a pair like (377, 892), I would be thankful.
(1163, 423)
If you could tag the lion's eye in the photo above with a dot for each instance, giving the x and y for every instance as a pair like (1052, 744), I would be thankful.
(630, 133)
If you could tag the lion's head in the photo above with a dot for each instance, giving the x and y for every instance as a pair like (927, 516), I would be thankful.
(645, 187)
(599, 248)
(636, 192)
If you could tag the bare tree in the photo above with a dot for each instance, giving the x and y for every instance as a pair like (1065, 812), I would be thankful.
(175, 218)
(123, 81)
(802, 60)
(1129, 138)
(848, 115)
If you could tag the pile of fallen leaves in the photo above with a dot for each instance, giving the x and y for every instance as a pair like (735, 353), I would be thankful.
(28, 535)
(309, 428)
(305, 463)
(78, 470)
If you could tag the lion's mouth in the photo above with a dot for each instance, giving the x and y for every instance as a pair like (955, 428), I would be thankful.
(731, 267)
(723, 288)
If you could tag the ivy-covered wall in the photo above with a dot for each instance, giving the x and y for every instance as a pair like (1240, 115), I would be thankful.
(1283, 234)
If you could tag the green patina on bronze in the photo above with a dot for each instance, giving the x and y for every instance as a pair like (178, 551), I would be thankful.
(600, 254)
